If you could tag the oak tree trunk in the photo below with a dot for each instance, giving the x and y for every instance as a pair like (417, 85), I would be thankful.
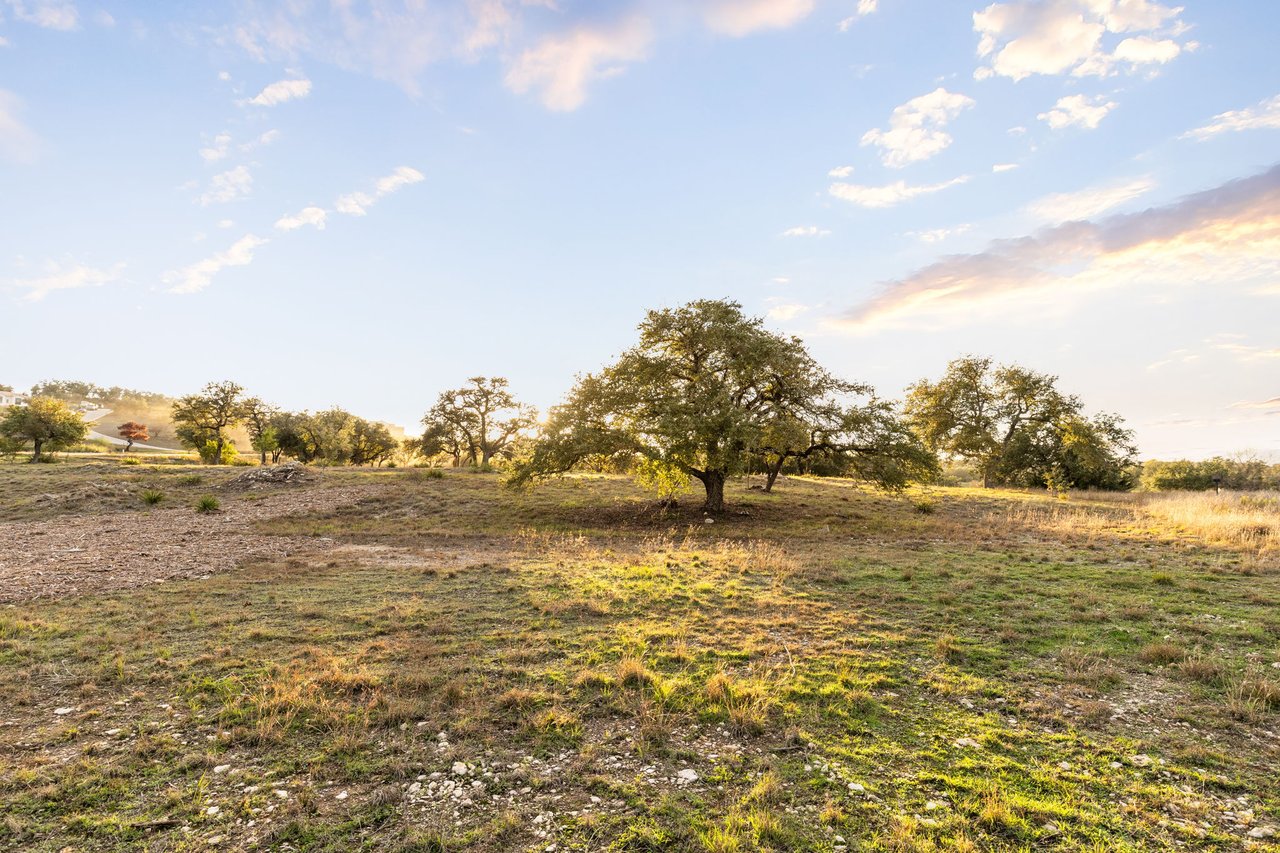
(713, 481)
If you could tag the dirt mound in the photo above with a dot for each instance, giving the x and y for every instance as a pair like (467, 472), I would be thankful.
(84, 495)
(276, 475)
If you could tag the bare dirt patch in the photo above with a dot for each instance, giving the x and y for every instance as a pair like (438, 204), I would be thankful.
(101, 553)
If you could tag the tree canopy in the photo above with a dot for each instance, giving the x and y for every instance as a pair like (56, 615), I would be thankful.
(132, 431)
(45, 422)
(475, 423)
(202, 420)
(707, 387)
(1018, 428)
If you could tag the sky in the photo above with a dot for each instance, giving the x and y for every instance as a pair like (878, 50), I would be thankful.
(363, 203)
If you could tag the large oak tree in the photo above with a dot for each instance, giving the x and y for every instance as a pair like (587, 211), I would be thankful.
(706, 388)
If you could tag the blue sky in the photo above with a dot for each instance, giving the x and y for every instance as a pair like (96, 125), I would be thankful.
(365, 203)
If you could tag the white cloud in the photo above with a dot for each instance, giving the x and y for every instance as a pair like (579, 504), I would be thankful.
(357, 203)
(866, 7)
(1265, 115)
(787, 311)
(282, 91)
(915, 128)
(228, 186)
(840, 172)
(196, 277)
(226, 223)
(1024, 37)
(561, 67)
(1224, 238)
(50, 14)
(937, 235)
(17, 142)
(307, 216)
(1144, 50)
(1083, 204)
(742, 17)
(1003, 167)
(1078, 110)
(70, 277)
(805, 231)
(217, 149)
(889, 195)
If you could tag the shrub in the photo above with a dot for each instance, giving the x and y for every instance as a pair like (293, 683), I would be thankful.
(130, 460)
(151, 497)
(208, 503)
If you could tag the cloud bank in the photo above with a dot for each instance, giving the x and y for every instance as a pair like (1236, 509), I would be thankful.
(1228, 236)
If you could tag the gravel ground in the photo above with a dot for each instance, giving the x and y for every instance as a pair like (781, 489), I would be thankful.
(77, 555)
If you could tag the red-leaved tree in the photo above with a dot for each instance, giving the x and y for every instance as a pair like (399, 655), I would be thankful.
(131, 432)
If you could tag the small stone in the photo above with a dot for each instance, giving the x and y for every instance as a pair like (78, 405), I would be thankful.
(1262, 832)
(284, 795)
(214, 840)
(1140, 760)
(708, 521)
(342, 795)
(687, 775)
(1050, 827)
(62, 712)
(111, 732)
(221, 768)
(857, 787)
(212, 810)
(459, 768)
(968, 742)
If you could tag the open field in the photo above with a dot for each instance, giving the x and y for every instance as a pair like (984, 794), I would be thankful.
(391, 660)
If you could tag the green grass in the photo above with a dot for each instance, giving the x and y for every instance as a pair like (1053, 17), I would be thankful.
(831, 663)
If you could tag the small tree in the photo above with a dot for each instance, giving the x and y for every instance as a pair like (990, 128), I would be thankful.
(704, 389)
(132, 431)
(46, 423)
(258, 418)
(205, 418)
(371, 443)
(475, 423)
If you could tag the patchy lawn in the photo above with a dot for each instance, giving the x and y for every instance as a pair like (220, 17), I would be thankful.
(443, 665)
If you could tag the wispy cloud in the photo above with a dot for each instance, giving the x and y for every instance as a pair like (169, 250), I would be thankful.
(1003, 167)
(358, 203)
(890, 194)
(228, 186)
(282, 91)
(65, 277)
(17, 142)
(50, 14)
(1078, 110)
(743, 17)
(937, 235)
(1228, 236)
(865, 7)
(216, 150)
(805, 231)
(562, 67)
(314, 216)
(1083, 204)
(915, 128)
(787, 311)
(197, 276)
(1266, 114)
(840, 172)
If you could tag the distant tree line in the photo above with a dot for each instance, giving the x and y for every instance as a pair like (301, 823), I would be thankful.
(1242, 473)
(707, 393)
(203, 422)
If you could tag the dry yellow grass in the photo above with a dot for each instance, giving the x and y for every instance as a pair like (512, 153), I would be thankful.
(1249, 519)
